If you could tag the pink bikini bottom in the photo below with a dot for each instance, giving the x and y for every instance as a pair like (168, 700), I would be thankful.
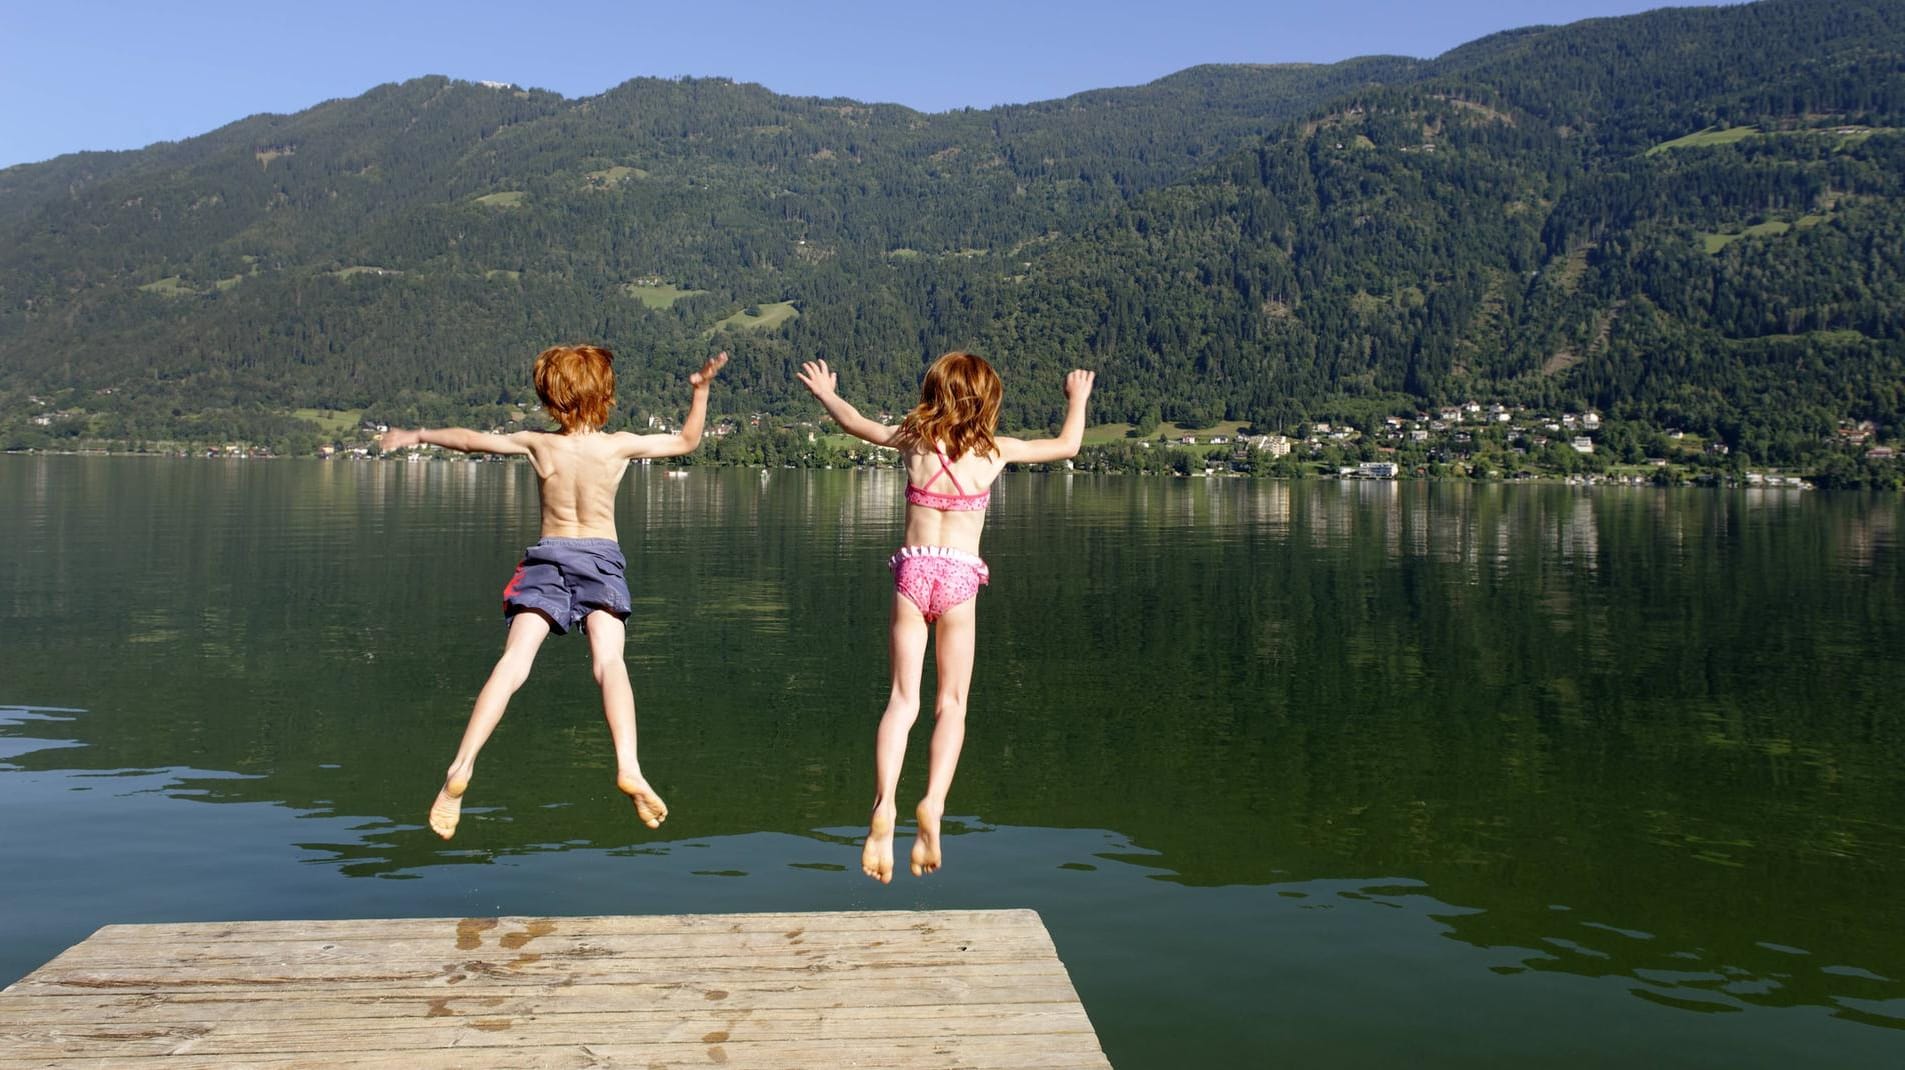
(937, 578)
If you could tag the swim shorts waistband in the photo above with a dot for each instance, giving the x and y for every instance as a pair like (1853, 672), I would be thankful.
(579, 542)
(940, 551)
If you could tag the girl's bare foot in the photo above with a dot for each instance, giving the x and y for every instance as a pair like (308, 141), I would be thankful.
(876, 858)
(648, 805)
(926, 840)
(448, 809)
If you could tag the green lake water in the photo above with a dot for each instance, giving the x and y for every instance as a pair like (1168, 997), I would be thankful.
(1306, 773)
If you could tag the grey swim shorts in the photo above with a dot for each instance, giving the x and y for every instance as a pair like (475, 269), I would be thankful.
(567, 579)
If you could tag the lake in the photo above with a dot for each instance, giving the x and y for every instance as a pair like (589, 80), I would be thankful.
(1313, 772)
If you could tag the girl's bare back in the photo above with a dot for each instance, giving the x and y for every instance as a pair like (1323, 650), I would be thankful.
(958, 529)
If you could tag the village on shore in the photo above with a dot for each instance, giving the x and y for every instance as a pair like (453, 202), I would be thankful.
(1470, 441)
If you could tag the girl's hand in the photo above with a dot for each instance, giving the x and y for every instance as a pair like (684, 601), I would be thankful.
(1078, 384)
(707, 373)
(394, 439)
(818, 378)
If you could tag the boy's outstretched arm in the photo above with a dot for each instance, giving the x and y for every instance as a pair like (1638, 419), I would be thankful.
(1070, 437)
(685, 440)
(820, 381)
(461, 439)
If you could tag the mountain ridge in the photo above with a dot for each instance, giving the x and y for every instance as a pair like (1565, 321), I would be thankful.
(1522, 218)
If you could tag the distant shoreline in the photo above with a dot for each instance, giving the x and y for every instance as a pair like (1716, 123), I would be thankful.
(1704, 480)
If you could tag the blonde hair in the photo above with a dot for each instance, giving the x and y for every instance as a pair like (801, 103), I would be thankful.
(958, 406)
(576, 385)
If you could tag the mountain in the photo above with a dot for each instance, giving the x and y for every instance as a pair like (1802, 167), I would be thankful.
(1690, 217)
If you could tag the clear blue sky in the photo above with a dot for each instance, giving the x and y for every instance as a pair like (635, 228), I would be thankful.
(88, 74)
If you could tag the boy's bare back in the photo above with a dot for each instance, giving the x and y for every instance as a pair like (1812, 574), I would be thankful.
(578, 476)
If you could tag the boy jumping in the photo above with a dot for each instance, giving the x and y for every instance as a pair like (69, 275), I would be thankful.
(573, 575)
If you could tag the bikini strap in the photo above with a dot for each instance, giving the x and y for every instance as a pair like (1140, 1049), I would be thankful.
(945, 468)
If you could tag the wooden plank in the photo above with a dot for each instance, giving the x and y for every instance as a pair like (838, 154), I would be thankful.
(1069, 1052)
(780, 943)
(507, 999)
(462, 977)
(586, 925)
(500, 1031)
(887, 989)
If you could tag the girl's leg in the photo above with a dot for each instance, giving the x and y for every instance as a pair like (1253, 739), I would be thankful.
(606, 636)
(954, 642)
(526, 633)
(906, 651)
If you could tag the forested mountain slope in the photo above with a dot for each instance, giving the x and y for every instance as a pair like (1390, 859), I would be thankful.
(1692, 216)
(1537, 225)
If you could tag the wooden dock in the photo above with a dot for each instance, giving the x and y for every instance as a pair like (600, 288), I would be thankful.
(980, 988)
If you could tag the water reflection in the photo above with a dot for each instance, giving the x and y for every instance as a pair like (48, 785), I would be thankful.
(1602, 756)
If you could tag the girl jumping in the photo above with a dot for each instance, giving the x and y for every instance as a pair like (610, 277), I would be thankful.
(952, 455)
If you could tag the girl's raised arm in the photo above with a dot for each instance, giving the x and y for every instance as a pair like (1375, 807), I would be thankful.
(1070, 437)
(820, 381)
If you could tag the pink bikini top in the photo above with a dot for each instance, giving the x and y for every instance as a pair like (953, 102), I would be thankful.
(961, 502)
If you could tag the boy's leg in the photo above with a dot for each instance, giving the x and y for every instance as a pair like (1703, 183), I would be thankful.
(526, 633)
(955, 640)
(906, 650)
(607, 634)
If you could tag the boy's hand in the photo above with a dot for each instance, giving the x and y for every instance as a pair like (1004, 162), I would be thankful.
(394, 439)
(819, 379)
(708, 371)
(1078, 384)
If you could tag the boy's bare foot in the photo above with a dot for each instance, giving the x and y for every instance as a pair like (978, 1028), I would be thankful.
(448, 809)
(648, 805)
(876, 858)
(926, 840)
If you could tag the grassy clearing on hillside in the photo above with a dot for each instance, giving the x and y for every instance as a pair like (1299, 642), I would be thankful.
(1713, 242)
(1107, 434)
(506, 199)
(362, 269)
(334, 423)
(608, 178)
(1712, 135)
(770, 316)
(658, 297)
(170, 286)
(1567, 274)
(502, 274)
(1228, 428)
(1845, 135)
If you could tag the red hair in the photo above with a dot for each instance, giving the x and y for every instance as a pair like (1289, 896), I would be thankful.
(958, 407)
(576, 385)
